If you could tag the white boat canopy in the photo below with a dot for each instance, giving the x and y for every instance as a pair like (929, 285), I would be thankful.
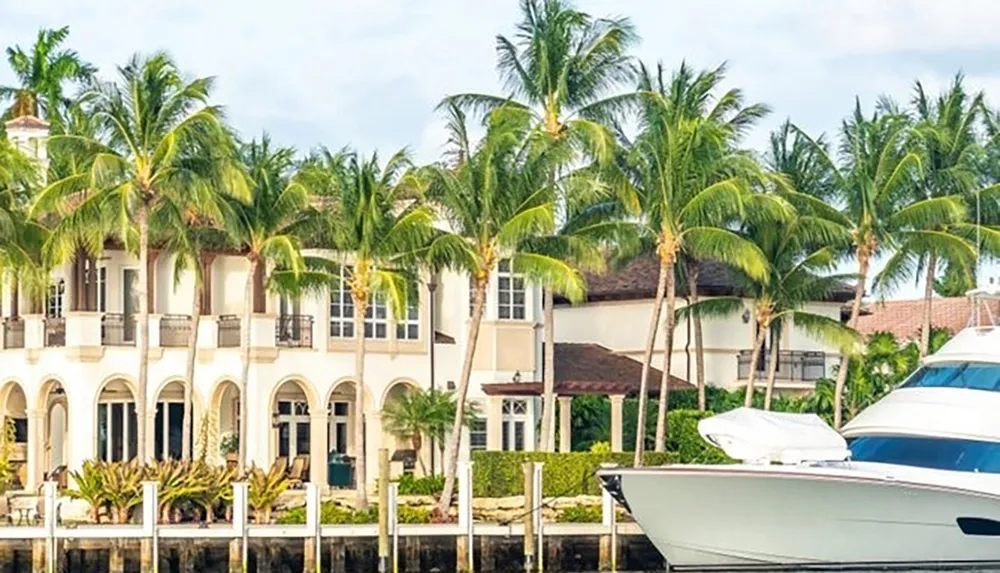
(757, 436)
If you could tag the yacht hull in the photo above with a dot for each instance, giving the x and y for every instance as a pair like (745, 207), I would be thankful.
(739, 517)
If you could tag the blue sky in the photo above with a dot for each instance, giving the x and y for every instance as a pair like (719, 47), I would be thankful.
(369, 72)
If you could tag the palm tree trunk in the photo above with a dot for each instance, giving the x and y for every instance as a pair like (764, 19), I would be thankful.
(852, 321)
(647, 357)
(925, 331)
(417, 441)
(668, 354)
(142, 332)
(754, 357)
(248, 295)
(772, 371)
(455, 440)
(192, 350)
(699, 339)
(549, 374)
(360, 475)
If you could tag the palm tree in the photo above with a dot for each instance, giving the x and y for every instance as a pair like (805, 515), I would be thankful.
(420, 413)
(560, 66)
(870, 186)
(946, 139)
(161, 141)
(42, 73)
(267, 228)
(689, 179)
(498, 195)
(377, 224)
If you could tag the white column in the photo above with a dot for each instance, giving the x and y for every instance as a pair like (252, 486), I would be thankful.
(565, 428)
(34, 331)
(154, 330)
(36, 448)
(318, 437)
(83, 328)
(616, 422)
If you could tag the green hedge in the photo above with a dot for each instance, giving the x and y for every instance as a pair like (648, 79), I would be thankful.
(500, 474)
(333, 514)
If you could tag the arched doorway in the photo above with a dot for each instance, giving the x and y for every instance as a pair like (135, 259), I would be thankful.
(117, 439)
(56, 408)
(14, 407)
(340, 427)
(168, 429)
(404, 448)
(290, 420)
(225, 408)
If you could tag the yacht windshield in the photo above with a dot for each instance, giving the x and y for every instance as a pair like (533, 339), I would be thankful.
(972, 375)
(934, 453)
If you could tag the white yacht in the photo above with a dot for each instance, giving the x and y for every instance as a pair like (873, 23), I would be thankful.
(912, 481)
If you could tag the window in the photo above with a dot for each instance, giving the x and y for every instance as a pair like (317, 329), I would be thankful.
(376, 319)
(477, 434)
(971, 375)
(935, 453)
(116, 436)
(341, 308)
(339, 427)
(21, 430)
(293, 429)
(54, 300)
(408, 328)
(102, 286)
(510, 292)
(169, 430)
(515, 416)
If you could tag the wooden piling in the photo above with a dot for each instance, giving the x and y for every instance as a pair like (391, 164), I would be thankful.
(411, 554)
(462, 554)
(553, 553)
(529, 516)
(338, 556)
(38, 556)
(309, 555)
(606, 550)
(7, 558)
(487, 560)
(236, 556)
(146, 555)
(383, 510)
(116, 557)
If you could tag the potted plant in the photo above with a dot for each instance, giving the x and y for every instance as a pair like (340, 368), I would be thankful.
(229, 446)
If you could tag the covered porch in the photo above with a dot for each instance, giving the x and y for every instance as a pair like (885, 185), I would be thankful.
(581, 369)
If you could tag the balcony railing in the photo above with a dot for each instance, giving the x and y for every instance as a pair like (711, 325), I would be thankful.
(229, 331)
(13, 332)
(294, 331)
(55, 332)
(793, 365)
(117, 329)
(175, 330)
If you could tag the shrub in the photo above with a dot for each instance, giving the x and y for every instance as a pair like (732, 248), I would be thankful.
(600, 448)
(334, 514)
(580, 514)
(265, 489)
(684, 439)
(427, 485)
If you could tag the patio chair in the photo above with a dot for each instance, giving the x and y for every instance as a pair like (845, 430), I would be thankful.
(300, 467)
(5, 510)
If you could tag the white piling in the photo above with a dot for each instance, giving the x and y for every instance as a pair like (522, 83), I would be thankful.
(49, 516)
(240, 499)
(150, 520)
(609, 518)
(314, 521)
(465, 506)
(537, 508)
(394, 523)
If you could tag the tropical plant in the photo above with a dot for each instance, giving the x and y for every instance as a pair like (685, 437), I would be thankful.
(560, 66)
(8, 438)
(497, 195)
(207, 440)
(418, 413)
(375, 222)
(689, 179)
(42, 72)
(217, 488)
(122, 482)
(265, 488)
(266, 229)
(161, 143)
(871, 186)
(177, 482)
(90, 487)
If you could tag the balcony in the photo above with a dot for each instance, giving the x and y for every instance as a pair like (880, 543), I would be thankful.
(117, 330)
(13, 333)
(294, 331)
(793, 365)
(175, 330)
(229, 331)
(55, 332)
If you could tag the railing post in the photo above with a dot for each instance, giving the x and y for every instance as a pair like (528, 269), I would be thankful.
(314, 522)
(150, 521)
(465, 521)
(394, 523)
(240, 499)
(539, 497)
(49, 490)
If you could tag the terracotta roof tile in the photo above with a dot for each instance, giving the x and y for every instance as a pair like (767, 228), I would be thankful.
(903, 318)
(583, 368)
(27, 121)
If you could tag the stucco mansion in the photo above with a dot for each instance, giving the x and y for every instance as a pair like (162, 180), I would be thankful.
(68, 374)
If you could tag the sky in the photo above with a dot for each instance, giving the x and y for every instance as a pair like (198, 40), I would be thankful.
(369, 73)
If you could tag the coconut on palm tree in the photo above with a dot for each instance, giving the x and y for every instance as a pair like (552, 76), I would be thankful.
(561, 65)
(375, 222)
(42, 72)
(497, 196)
(689, 179)
(160, 140)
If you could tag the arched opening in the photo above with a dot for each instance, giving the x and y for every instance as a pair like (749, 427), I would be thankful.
(117, 439)
(291, 423)
(225, 408)
(407, 447)
(168, 430)
(15, 416)
(56, 431)
(340, 434)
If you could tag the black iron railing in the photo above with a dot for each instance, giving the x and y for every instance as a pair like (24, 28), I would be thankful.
(55, 331)
(793, 365)
(175, 330)
(117, 329)
(294, 331)
(229, 331)
(13, 332)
